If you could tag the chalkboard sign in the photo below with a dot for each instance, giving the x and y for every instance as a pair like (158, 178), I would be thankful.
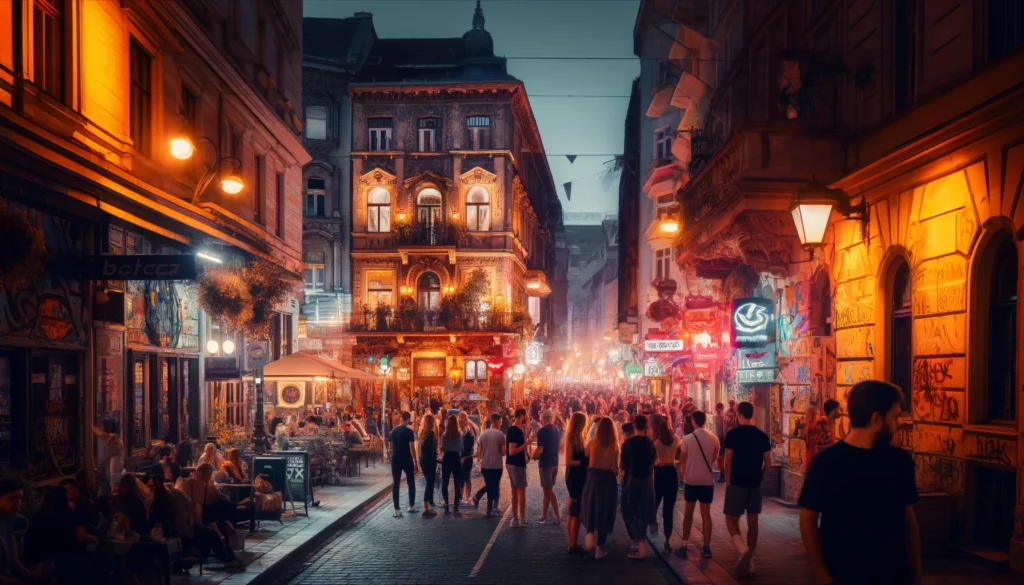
(279, 465)
(297, 472)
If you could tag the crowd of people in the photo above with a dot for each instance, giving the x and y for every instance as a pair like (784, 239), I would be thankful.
(631, 455)
(64, 541)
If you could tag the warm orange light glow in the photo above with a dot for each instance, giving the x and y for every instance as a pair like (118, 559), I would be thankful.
(182, 148)
(231, 185)
(401, 217)
(669, 226)
(455, 215)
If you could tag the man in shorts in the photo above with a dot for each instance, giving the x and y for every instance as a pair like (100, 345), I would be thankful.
(695, 455)
(747, 456)
(515, 462)
(549, 442)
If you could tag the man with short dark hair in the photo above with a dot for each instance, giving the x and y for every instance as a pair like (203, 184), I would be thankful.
(549, 442)
(403, 445)
(490, 450)
(747, 456)
(515, 461)
(863, 490)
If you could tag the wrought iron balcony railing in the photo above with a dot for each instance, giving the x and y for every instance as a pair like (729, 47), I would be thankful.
(387, 320)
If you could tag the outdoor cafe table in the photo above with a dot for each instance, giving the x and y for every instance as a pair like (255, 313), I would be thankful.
(120, 549)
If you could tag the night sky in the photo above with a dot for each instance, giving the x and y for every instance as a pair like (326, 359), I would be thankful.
(541, 28)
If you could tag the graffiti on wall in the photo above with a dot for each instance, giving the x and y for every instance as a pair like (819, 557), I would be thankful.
(939, 440)
(940, 335)
(994, 450)
(939, 474)
(162, 313)
(51, 309)
(934, 394)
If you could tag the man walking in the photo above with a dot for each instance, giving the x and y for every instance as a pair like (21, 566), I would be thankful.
(719, 421)
(403, 443)
(863, 490)
(747, 456)
(490, 450)
(515, 461)
(695, 455)
(549, 444)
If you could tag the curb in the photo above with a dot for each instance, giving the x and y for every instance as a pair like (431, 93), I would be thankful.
(274, 571)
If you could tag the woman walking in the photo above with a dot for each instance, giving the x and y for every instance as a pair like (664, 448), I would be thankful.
(575, 475)
(428, 461)
(600, 493)
(638, 457)
(451, 461)
(468, 445)
(666, 477)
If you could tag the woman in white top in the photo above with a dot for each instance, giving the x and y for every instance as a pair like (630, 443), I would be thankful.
(666, 477)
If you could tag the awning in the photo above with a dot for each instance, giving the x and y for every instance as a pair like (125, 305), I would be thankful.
(662, 180)
(660, 102)
(306, 365)
(690, 43)
(692, 96)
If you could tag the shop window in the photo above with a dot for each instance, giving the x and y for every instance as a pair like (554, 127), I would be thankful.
(478, 209)
(378, 210)
(900, 333)
(1002, 333)
(234, 404)
(140, 378)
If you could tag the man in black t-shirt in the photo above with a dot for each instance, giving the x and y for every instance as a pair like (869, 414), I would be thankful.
(863, 490)
(517, 441)
(747, 456)
(403, 443)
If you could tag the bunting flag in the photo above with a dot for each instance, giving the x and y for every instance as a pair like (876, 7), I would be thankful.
(568, 190)
(571, 157)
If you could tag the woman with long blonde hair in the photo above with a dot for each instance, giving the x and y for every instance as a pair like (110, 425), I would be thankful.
(576, 464)
(428, 460)
(600, 498)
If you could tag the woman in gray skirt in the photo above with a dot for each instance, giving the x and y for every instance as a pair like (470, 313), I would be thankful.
(638, 509)
(600, 493)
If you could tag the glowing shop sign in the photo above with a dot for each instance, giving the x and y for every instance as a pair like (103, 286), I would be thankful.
(659, 345)
(753, 322)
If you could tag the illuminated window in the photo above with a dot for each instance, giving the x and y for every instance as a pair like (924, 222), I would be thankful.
(476, 370)
(429, 133)
(428, 213)
(316, 122)
(315, 197)
(901, 333)
(478, 132)
(378, 210)
(380, 288)
(428, 290)
(470, 370)
(380, 134)
(478, 209)
(48, 46)
(140, 95)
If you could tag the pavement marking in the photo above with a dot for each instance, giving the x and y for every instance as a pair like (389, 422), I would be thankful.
(490, 543)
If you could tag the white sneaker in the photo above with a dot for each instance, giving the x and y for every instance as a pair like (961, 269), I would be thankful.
(542, 520)
(413, 510)
(398, 513)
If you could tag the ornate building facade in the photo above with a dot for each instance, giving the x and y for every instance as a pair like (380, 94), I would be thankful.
(91, 96)
(454, 213)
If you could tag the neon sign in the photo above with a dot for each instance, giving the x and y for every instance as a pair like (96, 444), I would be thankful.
(752, 322)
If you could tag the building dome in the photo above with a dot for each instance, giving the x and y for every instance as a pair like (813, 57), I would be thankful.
(477, 43)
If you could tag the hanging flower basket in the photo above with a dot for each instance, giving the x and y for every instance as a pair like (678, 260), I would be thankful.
(23, 258)
(225, 296)
(268, 286)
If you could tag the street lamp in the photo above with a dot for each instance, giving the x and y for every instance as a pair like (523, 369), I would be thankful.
(668, 225)
(182, 148)
(812, 207)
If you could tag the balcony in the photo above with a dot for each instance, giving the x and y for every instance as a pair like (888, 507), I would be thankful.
(384, 320)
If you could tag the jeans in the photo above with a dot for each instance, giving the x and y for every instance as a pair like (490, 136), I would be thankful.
(397, 468)
(429, 476)
(666, 487)
(492, 485)
(451, 467)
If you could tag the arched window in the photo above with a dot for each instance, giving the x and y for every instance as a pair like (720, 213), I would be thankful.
(378, 210)
(428, 290)
(315, 197)
(900, 332)
(470, 370)
(428, 212)
(478, 209)
(1002, 330)
(316, 122)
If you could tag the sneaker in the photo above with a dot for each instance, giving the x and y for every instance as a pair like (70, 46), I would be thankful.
(683, 550)
(706, 552)
(398, 513)
(429, 513)
(413, 510)
(476, 503)
(543, 520)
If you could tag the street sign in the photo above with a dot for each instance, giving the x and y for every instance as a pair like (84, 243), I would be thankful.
(663, 345)
(258, 352)
(634, 370)
(154, 267)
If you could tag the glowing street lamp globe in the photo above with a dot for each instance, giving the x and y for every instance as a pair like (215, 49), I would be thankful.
(212, 346)
(228, 346)
(182, 148)
(231, 185)
(519, 369)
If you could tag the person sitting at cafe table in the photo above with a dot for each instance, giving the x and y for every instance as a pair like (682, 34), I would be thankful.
(87, 510)
(12, 571)
(174, 512)
(350, 435)
(211, 456)
(165, 458)
(211, 507)
(233, 467)
(131, 505)
(281, 442)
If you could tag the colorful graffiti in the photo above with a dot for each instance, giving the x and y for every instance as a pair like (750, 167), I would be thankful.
(162, 314)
